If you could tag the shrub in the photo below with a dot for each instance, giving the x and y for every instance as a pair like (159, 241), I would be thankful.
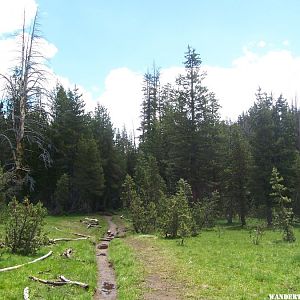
(23, 228)
(256, 234)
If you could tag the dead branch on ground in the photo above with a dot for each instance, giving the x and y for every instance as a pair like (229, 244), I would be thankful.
(63, 281)
(53, 241)
(26, 293)
(28, 263)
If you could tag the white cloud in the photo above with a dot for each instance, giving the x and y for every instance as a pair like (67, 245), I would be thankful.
(277, 72)
(286, 43)
(122, 97)
(12, 14)
(261, 44)
(235, 87)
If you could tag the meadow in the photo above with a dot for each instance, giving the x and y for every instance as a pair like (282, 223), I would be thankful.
(220, 263)
(80, 267)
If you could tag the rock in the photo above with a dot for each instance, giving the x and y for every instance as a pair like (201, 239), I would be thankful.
(102, 246)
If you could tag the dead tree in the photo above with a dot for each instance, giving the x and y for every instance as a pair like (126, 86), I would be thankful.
(23, 108)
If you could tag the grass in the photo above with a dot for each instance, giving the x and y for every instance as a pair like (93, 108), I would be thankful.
(229, 266)
(220, 263)
(129, 271)
(80, 267)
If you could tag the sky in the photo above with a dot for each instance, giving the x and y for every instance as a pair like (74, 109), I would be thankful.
(105, 47)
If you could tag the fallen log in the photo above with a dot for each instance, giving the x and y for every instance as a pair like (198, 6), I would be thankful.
(93, 221)
(63, 281)
(58, 229)
(50, 282)
(91, 225)
(67, 239)
(81, 284)
(81, 235)
(26, 293)
(28, 263)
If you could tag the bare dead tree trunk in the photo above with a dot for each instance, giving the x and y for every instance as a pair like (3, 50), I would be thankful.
(23, 90)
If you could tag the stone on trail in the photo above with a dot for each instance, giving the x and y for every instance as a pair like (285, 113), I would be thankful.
(102, 246)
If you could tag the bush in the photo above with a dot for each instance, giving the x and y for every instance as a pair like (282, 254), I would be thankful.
(23, 228)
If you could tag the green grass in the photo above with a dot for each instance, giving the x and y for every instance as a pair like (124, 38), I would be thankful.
(232, 267)
(80, 267)
(129, 271)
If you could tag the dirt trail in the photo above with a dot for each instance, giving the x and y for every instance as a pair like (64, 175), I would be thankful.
(159, 280)
(106, 286)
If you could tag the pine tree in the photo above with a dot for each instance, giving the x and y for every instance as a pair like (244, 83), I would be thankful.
(88, 182)
(239, 172)
(191, 123)
(262, 140)
(103, 133)
(177, 219)
(283, 213)
(150, 184)
(62, 194)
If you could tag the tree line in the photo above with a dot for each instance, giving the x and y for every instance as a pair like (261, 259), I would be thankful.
(227, 165)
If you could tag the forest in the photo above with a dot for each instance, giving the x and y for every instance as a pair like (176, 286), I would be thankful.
(185, 172)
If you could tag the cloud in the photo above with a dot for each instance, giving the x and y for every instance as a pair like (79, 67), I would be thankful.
(12, 14)
(261, 44)
(235, 86)
(276, 71)
(286, 43)
(122, 97)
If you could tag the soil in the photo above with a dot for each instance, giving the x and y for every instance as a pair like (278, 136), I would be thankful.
(159, 284)
(159, 275)
(106, 287)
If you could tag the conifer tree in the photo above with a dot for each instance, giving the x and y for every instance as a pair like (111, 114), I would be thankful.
(262, 140)
(239, 172)
(62, 194)
(283, 213)
(88, 180)
(177, 219)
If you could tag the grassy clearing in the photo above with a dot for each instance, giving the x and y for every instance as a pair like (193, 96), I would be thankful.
(228, 265)
(221, 263)
(80, 267)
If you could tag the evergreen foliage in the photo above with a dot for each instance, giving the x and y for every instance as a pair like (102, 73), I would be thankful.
(23, 227)
(205, 212)
(177, 219)
(88, 177)
(181, 137)
(62, 194)
(283, 213)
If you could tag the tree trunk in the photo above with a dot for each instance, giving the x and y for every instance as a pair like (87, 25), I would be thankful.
(269, 215)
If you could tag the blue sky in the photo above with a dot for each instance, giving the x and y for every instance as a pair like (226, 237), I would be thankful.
(94, 37)
(105, 46)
